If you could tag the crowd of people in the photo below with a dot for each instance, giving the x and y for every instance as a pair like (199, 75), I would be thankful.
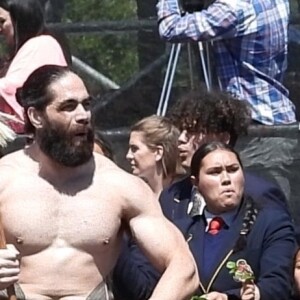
(195, 217)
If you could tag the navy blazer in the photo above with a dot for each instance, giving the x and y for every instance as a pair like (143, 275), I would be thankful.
(270, 249)
(134, 277)
(175, 199)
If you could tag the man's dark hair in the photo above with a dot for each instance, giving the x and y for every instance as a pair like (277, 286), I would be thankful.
(204, 150)
(202, 111)
(35, 91)
(27, 18)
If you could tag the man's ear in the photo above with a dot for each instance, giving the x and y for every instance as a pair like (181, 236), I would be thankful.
(159, 153)
(35, 117)
(225, 137)
(198, 139)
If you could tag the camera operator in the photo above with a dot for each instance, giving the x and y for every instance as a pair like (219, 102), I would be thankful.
(249, 44)
(250, 48)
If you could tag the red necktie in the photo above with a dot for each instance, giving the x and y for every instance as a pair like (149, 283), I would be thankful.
(215, 225)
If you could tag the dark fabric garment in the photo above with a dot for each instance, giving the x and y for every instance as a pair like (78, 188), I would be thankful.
(269, 250)
(211, 246)
(134, 277)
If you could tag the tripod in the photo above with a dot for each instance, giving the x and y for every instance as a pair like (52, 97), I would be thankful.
(171, 68)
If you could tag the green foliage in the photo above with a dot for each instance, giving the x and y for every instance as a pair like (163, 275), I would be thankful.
(230, 265)
(91, 10)
(114, 55)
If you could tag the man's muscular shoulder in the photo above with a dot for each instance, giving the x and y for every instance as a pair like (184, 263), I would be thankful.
(12, 166)
(108, 171)
(15, 161)
(133, 191)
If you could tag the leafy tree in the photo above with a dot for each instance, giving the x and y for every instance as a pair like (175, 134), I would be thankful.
(113, 54)
(82, 10)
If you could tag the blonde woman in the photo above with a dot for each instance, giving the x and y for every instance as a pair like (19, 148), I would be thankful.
(153, 156)
(153, 153)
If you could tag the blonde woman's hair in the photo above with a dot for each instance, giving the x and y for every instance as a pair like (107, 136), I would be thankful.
(159, 131)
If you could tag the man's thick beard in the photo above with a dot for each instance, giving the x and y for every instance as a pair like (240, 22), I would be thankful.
(60, 147)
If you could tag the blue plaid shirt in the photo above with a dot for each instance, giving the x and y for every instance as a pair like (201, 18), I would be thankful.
(250, 47)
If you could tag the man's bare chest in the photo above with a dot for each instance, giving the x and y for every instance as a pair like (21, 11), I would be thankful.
(38, 214)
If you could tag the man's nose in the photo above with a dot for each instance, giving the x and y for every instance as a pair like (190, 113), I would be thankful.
(183, 137)
(82, 115)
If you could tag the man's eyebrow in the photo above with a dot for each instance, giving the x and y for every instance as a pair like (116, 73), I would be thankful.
(89, 98)
(70, 100)
(66, 101)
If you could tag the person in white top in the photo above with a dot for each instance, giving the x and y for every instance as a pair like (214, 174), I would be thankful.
(22, 25)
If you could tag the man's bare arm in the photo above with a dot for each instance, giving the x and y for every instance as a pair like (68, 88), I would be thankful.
(162, 243)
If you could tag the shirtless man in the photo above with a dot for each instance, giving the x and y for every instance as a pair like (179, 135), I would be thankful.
(64, 209)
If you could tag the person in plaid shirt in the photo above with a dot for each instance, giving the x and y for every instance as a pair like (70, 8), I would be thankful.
(249, 45)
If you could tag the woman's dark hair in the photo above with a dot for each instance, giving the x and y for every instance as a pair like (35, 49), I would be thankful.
(250, 216)
(250, 206)
(28, 20)
(207, 148)
(35, 91)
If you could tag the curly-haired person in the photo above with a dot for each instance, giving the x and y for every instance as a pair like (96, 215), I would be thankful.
(204, 117)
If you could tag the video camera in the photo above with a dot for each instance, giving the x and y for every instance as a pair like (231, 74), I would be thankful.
(191, 6)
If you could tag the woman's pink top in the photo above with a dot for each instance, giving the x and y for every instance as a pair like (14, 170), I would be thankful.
(36, 52)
